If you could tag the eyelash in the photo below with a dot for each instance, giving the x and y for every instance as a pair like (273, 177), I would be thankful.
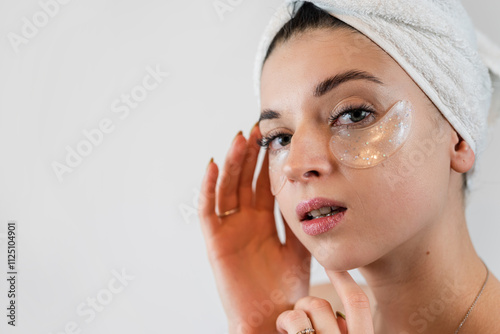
(348, 109)
(267, 140)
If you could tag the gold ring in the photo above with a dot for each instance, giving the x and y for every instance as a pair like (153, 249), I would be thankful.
(307, 330)
(227, 213)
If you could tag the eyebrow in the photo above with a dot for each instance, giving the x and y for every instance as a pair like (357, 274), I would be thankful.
(327, 85)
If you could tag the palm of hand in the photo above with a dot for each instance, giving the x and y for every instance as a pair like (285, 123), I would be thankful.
(257, 276)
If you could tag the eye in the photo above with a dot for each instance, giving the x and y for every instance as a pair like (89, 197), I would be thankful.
(280, 141)
(352, 115)
(275, 141)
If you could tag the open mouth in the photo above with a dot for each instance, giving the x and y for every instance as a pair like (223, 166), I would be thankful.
(318, 207)
(324, 211)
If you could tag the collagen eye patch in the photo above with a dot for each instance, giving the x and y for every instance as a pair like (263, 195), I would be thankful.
(371, 145)
(356, 147)
(276, 174)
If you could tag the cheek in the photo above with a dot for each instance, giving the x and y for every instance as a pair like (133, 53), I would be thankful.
(390, 202)
(397, 198)
(420, 172)
(411, 187)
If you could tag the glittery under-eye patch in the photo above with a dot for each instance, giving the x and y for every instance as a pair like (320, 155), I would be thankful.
(369, 146)
(357, 147)
(276, 174)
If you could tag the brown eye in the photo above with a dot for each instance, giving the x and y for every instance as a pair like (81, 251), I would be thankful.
(285, 140)
(358, 115)
(281, 141)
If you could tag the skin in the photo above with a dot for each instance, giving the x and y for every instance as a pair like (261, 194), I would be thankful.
(404, 227)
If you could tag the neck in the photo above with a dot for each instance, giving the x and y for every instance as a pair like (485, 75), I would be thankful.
(428, 283)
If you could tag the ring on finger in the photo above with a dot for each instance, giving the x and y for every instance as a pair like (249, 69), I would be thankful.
(309, 329)
(228, 213)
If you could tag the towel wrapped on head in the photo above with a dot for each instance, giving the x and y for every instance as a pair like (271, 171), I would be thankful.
(434, 41)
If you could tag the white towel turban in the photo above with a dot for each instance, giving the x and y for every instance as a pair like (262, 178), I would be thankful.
(434, 41)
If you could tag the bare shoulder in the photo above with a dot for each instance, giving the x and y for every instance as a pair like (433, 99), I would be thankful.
(327, 292)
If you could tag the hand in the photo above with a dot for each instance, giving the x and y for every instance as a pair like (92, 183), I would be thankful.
(318, 314)
(257, 276)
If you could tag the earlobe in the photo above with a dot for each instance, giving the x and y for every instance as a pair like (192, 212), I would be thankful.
(462, 156)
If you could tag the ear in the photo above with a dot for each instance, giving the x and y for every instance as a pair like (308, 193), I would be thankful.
(461, 155)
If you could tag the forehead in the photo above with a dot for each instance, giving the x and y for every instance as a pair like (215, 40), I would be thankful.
(297, 65)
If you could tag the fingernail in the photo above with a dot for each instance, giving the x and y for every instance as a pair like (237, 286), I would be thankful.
(211, 160)
(239, 133)
(255, 125)
(340, 314)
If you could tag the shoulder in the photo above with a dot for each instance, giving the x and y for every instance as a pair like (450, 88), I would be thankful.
(327, 291)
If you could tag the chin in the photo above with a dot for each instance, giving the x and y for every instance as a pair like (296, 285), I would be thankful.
(344, 259)
(347, 249)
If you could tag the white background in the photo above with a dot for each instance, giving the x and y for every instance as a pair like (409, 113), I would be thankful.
(121, 208)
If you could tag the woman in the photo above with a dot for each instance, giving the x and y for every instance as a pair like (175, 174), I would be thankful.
(368, 150)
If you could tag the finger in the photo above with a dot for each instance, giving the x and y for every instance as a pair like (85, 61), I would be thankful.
(264, 199)
(355, 301)
(320, 313)
(247, 174)
(227, 195)
(341, 321)
(206, 202)
(292, 240)
(291, 322)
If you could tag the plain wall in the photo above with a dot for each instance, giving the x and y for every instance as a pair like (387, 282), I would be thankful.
(130, 204)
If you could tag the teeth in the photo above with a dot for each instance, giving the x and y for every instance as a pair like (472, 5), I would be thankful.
(322, 212)
(315, 213)
(325, 210)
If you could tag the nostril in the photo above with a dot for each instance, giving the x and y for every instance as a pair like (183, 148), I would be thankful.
(311, 173)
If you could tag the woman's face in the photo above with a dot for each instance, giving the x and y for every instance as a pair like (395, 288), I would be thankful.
(383, 205)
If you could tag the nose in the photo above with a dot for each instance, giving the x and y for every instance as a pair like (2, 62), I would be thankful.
(309, 158)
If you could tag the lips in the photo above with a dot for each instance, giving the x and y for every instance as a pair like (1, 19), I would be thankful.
(304, 208)
(319, 215)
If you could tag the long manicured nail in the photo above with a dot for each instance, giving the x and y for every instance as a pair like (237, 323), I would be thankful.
(211, 160)
(340, 314)
(239, 133)
(255, 125)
